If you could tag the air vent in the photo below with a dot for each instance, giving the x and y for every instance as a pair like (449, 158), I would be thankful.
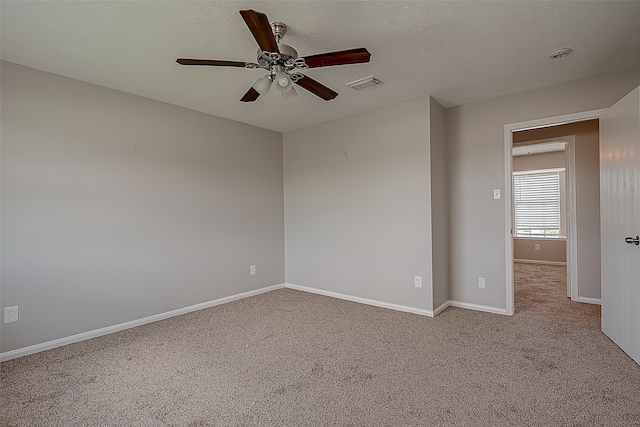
(364, 83)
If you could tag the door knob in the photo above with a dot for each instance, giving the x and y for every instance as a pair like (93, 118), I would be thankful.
(631, 240)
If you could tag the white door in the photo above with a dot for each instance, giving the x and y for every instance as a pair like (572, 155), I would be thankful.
(620, 222)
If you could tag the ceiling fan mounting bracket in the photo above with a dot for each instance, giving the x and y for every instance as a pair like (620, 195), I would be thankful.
(279, 30)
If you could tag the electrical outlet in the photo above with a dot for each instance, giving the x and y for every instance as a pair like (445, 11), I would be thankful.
(537, 247)
(481, 282)
(253, 270)
(11, 314)
(496, 194)
(418, 281)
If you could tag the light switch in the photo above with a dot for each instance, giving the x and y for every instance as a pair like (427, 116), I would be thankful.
(496, 194)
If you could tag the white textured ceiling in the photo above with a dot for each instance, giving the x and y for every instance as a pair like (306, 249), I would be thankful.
(456, 51)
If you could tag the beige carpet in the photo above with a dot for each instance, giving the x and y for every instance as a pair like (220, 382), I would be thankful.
(288, 358)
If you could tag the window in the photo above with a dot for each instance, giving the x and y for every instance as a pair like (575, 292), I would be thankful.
(537, 197)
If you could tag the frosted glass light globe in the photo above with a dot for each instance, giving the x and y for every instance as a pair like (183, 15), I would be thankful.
(283, 81)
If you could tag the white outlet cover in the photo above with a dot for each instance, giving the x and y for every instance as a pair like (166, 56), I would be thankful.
(418, 281)
(496, 194)
(481, 282)
(11, 314)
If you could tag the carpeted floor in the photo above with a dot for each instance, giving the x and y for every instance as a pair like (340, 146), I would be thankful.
(289, 358)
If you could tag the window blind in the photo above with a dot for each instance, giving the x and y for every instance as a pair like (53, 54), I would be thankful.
(537, 204)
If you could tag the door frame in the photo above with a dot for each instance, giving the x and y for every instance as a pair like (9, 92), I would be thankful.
(508, 168)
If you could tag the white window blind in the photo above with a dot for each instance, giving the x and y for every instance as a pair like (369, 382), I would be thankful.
(537, 204)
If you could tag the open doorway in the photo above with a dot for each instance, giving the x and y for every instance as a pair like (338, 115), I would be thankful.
(583, 234)
(543, 213)
(541, 218)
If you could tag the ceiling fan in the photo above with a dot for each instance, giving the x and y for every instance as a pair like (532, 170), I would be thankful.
(282, 61)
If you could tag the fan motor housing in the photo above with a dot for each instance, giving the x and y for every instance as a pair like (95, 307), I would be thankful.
(285, 58)
(287, 52)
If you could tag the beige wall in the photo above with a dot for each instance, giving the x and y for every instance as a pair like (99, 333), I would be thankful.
(116, 207)
(357, 205)
(587, 171)
(477, 165)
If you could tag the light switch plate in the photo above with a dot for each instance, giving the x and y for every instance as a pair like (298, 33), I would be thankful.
(496, 194)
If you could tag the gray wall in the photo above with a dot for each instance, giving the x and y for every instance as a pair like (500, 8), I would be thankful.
(357, 205)
(475, 134)
(439, 205)
(587, 163)
(116, 207)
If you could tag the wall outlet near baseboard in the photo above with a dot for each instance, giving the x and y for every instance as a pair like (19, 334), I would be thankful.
(253, 270)
(418, 281)
(11, 314)
(536, 247)
(481, 282)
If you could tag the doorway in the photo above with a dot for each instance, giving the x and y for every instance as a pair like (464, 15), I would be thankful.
(542, 127)
(544, 206)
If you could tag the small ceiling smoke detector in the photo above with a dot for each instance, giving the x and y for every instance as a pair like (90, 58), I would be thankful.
(364, 83)
(560, 53)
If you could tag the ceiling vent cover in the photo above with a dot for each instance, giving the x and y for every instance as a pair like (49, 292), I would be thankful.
(364, 83)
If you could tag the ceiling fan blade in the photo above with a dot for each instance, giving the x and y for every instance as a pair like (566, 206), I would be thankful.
(250, 96)
(212, 62)
(343, 57)
(259, 26)
(317, 88)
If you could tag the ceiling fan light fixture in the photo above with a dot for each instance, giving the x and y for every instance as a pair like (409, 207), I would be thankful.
(262, 85)
(291, 93)
(283, 81)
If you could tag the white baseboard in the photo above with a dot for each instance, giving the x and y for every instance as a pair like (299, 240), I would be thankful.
(478, 307)
(588, 300)
(539, 261)
(441, 308)
(398, 307)
(132, 324)
(139, 322)
(360, 300)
